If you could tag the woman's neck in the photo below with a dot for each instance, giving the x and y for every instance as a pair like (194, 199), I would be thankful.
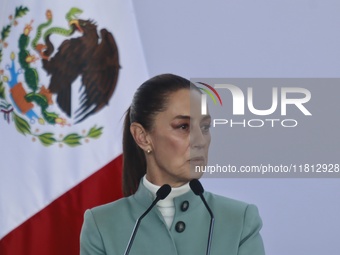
(160, 180)
(175, 191)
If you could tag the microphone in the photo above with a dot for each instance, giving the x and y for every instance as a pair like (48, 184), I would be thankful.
(161, 193)
(197, 188)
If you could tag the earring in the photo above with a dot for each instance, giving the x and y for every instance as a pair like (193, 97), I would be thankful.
(148, 151)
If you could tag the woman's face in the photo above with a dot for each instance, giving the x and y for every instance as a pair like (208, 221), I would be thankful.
(179, 139)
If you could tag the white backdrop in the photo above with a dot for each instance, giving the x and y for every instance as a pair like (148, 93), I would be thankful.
(262, 38)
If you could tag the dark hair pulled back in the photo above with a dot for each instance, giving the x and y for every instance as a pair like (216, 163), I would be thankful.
(150, 98)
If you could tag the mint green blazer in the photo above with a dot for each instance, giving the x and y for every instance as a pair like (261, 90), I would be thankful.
(107, 228)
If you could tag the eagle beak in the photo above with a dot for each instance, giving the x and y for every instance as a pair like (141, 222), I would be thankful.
(76, 23)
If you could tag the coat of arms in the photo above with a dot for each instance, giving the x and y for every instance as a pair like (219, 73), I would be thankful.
(82, 54)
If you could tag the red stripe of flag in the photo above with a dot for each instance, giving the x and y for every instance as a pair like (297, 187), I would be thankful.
(55, 230)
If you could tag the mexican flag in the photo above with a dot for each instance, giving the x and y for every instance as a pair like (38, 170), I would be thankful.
(68, 71)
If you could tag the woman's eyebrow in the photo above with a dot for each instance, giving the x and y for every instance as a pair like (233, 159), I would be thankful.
(183, 117)
(186, 117)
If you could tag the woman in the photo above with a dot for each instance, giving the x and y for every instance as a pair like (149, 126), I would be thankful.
(165, 137)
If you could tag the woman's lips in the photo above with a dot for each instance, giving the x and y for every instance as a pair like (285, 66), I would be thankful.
(197, 160)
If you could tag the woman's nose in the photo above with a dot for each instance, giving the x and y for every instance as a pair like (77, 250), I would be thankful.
(197, 138)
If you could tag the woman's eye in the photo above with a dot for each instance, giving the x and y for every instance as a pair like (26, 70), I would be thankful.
(206, 128)
(184, 126)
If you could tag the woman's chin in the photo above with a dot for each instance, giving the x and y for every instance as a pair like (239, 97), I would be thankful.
(196, 171)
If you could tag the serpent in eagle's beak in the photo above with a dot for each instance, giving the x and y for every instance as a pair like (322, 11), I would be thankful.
(77, 25)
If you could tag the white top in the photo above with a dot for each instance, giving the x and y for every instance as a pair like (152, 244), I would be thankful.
(166, 206)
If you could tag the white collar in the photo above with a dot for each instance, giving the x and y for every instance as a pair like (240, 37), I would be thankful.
(175, 192)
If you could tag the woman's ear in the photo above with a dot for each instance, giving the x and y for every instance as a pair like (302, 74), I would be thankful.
(140, 135)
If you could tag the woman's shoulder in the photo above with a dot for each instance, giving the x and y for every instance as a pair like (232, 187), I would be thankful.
(230, 205)
(224, 201)
(118, 206)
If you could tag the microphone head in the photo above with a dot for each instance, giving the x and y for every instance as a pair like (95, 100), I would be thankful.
(163, 191)
(196, 187)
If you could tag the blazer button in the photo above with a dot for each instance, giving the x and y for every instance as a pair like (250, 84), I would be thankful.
(185, 206)
(180, 226)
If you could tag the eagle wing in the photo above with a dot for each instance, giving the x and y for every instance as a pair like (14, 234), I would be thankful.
(99, 77)
(64, 68)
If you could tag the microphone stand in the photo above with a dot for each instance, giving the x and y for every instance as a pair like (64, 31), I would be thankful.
(211, 227)
(197, 188)
(161, 193)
